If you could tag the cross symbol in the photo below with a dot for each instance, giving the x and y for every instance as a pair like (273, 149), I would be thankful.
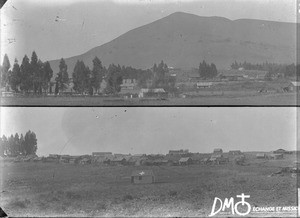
(142, 173)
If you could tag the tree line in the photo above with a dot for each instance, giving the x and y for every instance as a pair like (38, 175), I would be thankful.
(34, 76)
(16, 145)
(207, 71)
(288, 70)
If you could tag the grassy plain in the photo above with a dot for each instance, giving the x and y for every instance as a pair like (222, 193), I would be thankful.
(55, 189)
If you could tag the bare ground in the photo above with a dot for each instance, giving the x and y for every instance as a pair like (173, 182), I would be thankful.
(230, 98)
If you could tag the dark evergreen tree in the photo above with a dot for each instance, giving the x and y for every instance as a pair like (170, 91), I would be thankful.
(97, 74)
(48, 74)
(35, 72)
(26, 75)
(62, 78)
(30, 143)
(15, 78)
(114, 79)
(207, 71)
(81, 78)
(5, 71)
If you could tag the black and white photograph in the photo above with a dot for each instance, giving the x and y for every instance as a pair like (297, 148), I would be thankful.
(142, 162)
(149, 52)
(149, 108)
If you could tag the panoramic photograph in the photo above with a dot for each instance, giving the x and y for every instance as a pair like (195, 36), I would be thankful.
(149, 161)
(149, 52)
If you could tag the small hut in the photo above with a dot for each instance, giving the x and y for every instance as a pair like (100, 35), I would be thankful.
(276, 156)
(142, 177)
(85, 161)
(235, 152)
(218, 151)
(185, 161)
(261, 156)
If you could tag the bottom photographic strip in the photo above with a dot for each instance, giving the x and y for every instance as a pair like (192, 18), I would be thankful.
(156, 161)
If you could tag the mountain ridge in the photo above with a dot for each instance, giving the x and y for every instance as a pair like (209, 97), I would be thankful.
(183, 40)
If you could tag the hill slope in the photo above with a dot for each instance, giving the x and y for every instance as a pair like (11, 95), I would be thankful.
(183, 40)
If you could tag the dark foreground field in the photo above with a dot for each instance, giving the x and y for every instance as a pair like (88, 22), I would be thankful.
(40, 189)
(230, 98)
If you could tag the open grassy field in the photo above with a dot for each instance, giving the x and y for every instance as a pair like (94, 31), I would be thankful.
(204, 98)
(53, 189)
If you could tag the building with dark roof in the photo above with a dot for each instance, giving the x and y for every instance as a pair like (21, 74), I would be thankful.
(142, 177)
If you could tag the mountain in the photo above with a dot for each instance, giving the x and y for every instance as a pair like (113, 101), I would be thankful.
(183, 40)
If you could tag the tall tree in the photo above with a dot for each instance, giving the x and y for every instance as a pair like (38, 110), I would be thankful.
(35, 71)
(15, 78)
(81, 77)
(114, 79)
(160, 74)
(2, 150)
(26, 75)
(4, 71)
(48, 74)
(97, 74)
(30, 143)
(22, 145)
(62, 78)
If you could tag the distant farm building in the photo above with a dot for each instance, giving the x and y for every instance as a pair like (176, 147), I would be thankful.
(235, 152)
(204, 84)
(261, 156)
(218, 159)
(281, 151)
(64, 158)
(56, 156)
(178, 152)
(294, 86)
(241, 74)
(239, 160)
(173, 159)
(276, 156)
(85, 161)
(129, 88)
(153, 93)
(102, 154)
(118, 161)
(185, 161)
(218, 151)
(135, 160)
(142, 177)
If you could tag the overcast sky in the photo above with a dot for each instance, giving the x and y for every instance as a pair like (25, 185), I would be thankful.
(64, 28)
(153, 130)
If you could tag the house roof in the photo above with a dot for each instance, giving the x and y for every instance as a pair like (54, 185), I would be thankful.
(218, 149)
(216, 156)
(134, 159)
(142, 173)
(173, 157)
(184, 159)
(85, 159)
(116, 159)
(296, 83)
(260, 155)
(157, 90)
(101, 153)
(274, 155)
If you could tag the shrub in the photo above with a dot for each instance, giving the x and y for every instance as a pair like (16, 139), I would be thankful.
(127, 197)
(172, 193)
